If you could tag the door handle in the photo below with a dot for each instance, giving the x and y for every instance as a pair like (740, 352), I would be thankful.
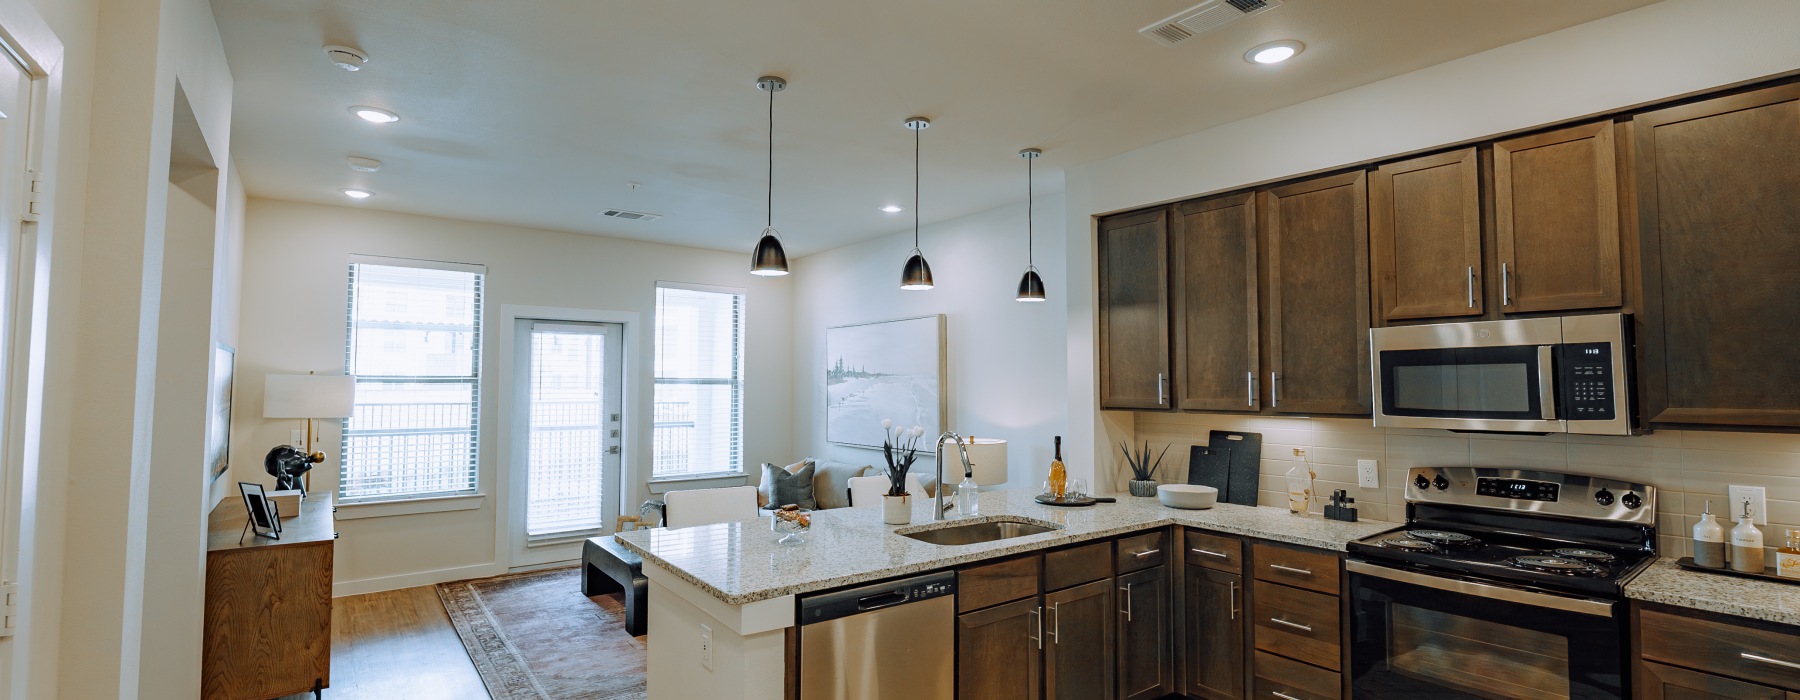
(1159, 389)
(1037, 617)
(1274, 390)
(1126, 590)
(1295, 625)
(1291, 570)
(1471, 287)
(1764, 659)
(1505, 287)
(1233, 600)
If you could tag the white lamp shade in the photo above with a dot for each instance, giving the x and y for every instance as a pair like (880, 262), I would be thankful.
(989, 457)
(308, 395)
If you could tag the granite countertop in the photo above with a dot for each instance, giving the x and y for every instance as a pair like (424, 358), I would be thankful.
(1664, 582)
(740, 563)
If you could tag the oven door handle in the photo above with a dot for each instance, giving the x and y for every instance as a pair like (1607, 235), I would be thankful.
(1581, 606)
(1547, 381)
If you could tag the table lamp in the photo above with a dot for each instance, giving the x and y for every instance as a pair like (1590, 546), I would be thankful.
(989, 457)
(309, 396)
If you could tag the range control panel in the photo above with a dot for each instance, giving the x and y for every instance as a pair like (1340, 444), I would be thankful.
(1521, 489)
(1587, 379)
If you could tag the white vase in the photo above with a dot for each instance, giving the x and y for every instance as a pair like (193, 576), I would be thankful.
(896, 510)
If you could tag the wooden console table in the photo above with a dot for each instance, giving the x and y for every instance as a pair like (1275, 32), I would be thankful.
(268, 605)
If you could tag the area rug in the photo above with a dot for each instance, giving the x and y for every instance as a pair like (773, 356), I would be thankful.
(533, 636)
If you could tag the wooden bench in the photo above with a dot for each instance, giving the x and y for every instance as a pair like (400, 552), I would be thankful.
(607, 567)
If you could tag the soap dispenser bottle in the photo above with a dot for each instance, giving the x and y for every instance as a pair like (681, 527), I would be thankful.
(1709, 541)
(1747, 544)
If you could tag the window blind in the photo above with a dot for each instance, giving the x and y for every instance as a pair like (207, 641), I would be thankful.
(414, 346)
(698, 421)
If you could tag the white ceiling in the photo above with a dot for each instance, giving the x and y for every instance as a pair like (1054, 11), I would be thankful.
(540, 113)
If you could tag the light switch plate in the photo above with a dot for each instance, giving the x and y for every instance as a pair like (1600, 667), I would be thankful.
(1759, 504)
(1368, 473)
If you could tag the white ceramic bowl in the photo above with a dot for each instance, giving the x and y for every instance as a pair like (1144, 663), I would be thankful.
(1187, 496)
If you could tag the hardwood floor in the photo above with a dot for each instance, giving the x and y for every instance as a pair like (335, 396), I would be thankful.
(397, 645)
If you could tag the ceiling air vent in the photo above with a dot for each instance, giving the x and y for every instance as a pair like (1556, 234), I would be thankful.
(1203, 18)
(630, 215)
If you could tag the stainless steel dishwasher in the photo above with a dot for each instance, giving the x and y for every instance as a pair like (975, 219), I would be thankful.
(884, 641)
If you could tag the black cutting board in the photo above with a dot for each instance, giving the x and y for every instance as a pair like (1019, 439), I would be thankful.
(1242, 478)
(1210, 466)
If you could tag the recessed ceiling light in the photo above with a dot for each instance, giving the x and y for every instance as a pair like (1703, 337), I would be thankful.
(893, 208)
(375, 114)
(1274, 51)
(355, 193)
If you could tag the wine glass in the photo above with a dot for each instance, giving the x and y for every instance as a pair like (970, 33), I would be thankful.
(1077, 489)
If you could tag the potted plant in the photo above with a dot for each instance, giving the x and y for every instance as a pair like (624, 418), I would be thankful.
(1143, 473)
(900, 446)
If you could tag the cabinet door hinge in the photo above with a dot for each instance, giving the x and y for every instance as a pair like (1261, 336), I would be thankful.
(34, 200)
(9, 608)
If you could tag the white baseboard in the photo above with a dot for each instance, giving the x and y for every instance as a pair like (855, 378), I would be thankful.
(418, 578)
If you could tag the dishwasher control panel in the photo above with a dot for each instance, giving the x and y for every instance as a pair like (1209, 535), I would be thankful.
(831, 605)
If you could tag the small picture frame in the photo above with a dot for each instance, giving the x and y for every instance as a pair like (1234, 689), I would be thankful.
(264, 515)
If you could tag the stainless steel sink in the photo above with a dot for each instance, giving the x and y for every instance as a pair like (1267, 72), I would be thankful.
(973, 533)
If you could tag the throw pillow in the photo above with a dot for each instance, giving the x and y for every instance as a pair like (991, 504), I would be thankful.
(790, 488)
(831, 482)
(763, 489)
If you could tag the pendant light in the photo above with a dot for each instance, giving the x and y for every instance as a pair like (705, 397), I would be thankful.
(1031, 286)
(917, 275)
(769, 260)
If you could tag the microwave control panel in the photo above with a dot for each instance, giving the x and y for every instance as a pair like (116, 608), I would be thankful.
(1587, 373)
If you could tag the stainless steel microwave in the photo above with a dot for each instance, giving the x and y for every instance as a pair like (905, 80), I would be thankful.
(1537, 375)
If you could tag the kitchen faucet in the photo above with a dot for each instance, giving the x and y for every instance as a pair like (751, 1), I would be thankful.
(938, 513)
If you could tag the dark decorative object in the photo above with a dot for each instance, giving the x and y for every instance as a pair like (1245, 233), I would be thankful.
(1143, 473)
(917, 274)
(901, 449)
(1031, 286)
(1340, 507)
(770, 259)
(286, 463)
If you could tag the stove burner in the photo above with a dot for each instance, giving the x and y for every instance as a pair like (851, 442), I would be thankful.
(1593, 556)
(1556, 565)
(1409, 544)
(1442, 537)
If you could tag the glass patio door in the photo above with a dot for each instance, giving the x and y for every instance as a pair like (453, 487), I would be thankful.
(568, 399)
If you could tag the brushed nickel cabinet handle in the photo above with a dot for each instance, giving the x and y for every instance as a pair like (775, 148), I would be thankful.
(1159, 389)
(1234, 603)
(1126, 598)
(1146, 553)
(1037, 618)
(1283, 696)
(1764, 659)
(1211, 553)
(1055, 624)
(1295, 625)
(1291, 570)
(1471, 287)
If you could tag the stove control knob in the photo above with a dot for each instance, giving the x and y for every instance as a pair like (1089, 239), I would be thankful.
(1632, 500)
(1422, 482)
(1440, 482)
(1603, 497)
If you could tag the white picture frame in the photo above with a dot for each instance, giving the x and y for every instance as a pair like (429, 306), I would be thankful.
(884, 369)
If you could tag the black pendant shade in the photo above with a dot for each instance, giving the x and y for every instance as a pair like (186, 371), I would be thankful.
(917, 274)
(769, 260)
(1031, 286)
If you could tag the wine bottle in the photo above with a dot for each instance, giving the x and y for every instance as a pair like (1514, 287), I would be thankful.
(1059, 477)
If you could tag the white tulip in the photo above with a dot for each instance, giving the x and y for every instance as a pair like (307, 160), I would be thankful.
(887, 423)
(918, 431)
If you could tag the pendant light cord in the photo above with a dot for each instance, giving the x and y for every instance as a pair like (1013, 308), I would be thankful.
(769, 221)
(916, 188)
(1030, 253)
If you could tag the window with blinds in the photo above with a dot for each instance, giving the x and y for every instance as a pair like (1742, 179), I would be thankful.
(698, 420)
(414, 346)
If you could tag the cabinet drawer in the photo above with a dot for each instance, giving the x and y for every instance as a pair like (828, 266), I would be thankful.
(1305, 568)
(1217, 552)
(1077, 565)
(985, 585)
(1752, 653)
(1139, 552)
(1298, 624)
(1280, 679)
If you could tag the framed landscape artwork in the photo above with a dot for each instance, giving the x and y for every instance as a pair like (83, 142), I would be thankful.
(218, 423)
(887, 369)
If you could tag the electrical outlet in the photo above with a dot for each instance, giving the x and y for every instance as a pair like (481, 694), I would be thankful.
(295, 437)
(1759, 505)
(1368, 473)
(706, 647)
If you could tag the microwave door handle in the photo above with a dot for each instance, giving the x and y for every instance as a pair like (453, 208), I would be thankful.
(1547, 381)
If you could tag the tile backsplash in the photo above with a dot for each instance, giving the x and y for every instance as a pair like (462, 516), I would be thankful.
(1688, 468)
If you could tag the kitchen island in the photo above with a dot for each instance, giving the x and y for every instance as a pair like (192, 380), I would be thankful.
(723, 597)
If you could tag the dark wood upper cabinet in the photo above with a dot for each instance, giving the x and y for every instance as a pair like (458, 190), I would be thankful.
(1316, 233)
(998, 652)
(1718, 193)
(1214, 280)
(1134, 310)
(1146, 665)
(1556, 220)
(1214, 649)
(1078, 648)
(1425, 225)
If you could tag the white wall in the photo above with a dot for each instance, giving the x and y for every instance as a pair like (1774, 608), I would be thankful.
(1669, 48)
(294, 294)
(1005, 359)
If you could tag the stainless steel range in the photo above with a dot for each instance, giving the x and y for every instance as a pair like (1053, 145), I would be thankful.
(1505, 583)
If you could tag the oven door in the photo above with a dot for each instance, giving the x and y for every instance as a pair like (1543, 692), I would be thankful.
(1490, 376)
(1416, 635)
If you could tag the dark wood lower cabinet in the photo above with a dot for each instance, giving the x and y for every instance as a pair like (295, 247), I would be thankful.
(1078, 643)
(1215, 633)
(1287, 679)
(999, 652)
(1146, 664)
(1658, 682)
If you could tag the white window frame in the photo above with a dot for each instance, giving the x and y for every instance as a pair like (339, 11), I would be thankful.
(742, 362)
(458, 499)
